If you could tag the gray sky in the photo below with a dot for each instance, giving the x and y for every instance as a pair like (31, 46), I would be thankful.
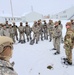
(41, 6)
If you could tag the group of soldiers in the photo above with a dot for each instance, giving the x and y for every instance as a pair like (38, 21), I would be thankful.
(44, 31)
(39, 30)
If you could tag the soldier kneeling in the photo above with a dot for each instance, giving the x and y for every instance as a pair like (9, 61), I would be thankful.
(6, 46)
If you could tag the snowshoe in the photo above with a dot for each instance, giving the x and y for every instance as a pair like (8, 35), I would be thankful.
(64, 61)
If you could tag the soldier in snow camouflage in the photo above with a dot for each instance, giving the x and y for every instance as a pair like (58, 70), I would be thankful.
(68, 43)
(6, 46)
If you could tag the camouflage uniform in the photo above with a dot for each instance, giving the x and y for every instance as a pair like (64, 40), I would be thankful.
(61, 27)
(72, 25)
(28, 31)
(11, 32)
(56, 38)
(5, 31)
(50, 29)
(21, 30)
(40, 29)
(6, 24)
(68, 43)
(35, 30)
(7, 28)
(15, 31)
(6, 68)
(45, 31)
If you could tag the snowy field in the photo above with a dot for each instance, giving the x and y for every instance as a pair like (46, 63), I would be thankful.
(34, 59)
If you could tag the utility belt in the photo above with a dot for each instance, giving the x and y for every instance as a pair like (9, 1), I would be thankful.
(7, 67)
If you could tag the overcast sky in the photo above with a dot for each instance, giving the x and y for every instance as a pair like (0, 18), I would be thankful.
(41, 6)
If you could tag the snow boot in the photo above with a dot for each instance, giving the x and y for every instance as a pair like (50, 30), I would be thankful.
(31, 42)
(56, 53)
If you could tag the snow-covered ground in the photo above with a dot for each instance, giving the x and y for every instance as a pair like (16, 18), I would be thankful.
(34, 59)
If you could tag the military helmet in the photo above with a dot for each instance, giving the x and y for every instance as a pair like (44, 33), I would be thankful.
(56, 23)
(44, 20)
(6, 21)
(59, 22)
(71, 20)
(13, 22)
(5, 41)
(35, 22)
(68, 24)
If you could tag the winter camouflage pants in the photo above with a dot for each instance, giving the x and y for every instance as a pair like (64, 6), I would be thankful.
(51, 34)
(36, 37)
(12, 36)
(41, 35)
(46, 36)
(56, 44)
(28, 36)
(22, 36)
(68, 53)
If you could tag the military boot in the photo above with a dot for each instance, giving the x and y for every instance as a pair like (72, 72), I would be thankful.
(19, 41)
(56, 53)
(27, 39)
(30, 38)
(36, 42)
(50, 40)
(24, 41)
(41, 39)
(69, 63)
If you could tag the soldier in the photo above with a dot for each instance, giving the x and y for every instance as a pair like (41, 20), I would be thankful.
(7, 25)
(6, 48)
(40, 29)
(35, 30)
(45, 31)
(21, 30)
(61, 27)
(50, 29)
(56, 38)
(68, 43)
(28, 31)
(5, 31)
(15, 30)
(11, 32)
